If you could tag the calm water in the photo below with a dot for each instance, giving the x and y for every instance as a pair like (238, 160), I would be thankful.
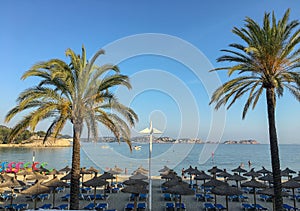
(176, 156)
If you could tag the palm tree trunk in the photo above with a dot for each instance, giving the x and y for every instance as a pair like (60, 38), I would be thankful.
(274, 149)
(75, 172)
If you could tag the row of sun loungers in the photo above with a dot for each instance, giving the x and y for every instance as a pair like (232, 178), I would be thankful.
(140, 206)
(170, 206)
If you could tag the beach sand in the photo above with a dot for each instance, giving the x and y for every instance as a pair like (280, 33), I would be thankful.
(119, 200)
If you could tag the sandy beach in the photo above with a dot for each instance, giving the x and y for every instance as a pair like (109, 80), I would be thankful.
(119, 200)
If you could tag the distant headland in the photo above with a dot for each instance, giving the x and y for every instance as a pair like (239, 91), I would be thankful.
(164, 140)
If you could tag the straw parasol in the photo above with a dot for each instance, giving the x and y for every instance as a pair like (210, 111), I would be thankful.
(136, 190)
(93, 170)
(252, 173)
(226, 190)
(190, 171)
(135, 182)
(214, 170)
(180, 189)
(287, 172)
(138, 176)
(224, 174)
(268, 178)
(169, 175)
(4, 177)
(253, 183)
(95, 182)
(264, 171)
(239, 170)
(12, 183)
(164, 169)
(36, 189)
(54, 172)
(66, 177)
(24, 173)
(54, 183)
(237, 178)
(291, 184)
(66, 169)
(37, 176)
(173, 182)
(270, 192)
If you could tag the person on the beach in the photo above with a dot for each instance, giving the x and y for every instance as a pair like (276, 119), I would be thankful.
(249, 164)
(182, 173)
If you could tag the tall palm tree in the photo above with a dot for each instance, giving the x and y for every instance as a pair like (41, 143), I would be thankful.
(267, 61)
(79, 93)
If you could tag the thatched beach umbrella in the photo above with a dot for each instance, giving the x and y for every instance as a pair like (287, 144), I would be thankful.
(24, 173)
(237, 178)
(136, 190)
(93, 170)
(291, 184)
(173, 182)
(287, 172)
(270, 192)
(139, 176)
(253, 183)
(164, 169)
(214, 183)
(135, 182)
(66, 169)
(95, 182)
(297, 178)
(214, 170)
(169, 175)
(36, 176)
(190, 171)
(36, 189)
(54, 172)
(66, 177)
(5, 177)
(12, 183)
(239, 170)
(202, 176)
(226, 190)
(54, 183)
(224, 174)
(252, 173)
(268, 178)
(180, 189)
(264, 171)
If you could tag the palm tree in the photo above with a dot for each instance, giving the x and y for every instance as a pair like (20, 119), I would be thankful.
(267, 61)
(78, 92)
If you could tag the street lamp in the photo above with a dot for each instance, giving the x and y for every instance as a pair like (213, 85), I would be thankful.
(150, 131)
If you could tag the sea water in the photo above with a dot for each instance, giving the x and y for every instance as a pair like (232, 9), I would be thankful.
(176, 156)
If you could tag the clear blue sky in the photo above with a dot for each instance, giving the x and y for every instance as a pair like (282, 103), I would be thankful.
(165, 88)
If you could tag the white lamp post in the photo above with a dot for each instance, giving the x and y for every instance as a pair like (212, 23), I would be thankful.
(150, 131)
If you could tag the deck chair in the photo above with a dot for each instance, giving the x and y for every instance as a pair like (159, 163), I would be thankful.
(259, 207)
(289, 207)
(208, 206)
(45, 206)
(247, 207)
(101, 206)
(220, 207)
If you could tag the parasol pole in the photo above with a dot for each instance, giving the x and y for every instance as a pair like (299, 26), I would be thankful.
(150, 131)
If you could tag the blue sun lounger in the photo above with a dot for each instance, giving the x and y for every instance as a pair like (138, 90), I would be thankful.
(220, 207)
(101, 206)
(259, 207)
(247, 207)
(289, 207)
(208, 206)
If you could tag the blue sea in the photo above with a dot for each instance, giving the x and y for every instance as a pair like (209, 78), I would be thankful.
(176, 156)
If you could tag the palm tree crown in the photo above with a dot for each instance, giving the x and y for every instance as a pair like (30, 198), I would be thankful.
(268, 61)
(79, 93)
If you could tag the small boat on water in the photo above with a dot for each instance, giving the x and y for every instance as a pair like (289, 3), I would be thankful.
(137, 147)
